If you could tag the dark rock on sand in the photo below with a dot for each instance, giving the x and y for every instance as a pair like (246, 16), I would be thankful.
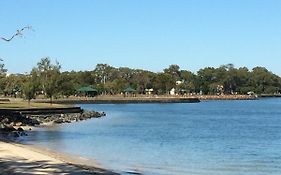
(7, 122)
(20, 129)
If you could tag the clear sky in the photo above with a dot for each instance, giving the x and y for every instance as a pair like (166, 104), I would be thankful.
(146, 34)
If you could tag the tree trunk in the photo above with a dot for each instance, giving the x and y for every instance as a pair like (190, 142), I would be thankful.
(51, 100)
(28, 103)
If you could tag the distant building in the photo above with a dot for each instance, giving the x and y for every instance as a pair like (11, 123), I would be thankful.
(173, 91)
(148, 91)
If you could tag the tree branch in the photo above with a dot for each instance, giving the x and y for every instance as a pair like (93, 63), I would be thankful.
(18, 33)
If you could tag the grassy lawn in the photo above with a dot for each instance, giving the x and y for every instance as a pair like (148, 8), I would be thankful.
(24, 104)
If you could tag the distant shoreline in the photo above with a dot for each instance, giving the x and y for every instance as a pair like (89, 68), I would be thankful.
(227, 97)
(118, 100)
(269, 95)
(145, 99)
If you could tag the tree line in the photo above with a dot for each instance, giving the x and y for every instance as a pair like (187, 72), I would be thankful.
(47, 79)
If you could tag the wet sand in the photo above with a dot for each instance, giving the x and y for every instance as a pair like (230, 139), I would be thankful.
(24, 159)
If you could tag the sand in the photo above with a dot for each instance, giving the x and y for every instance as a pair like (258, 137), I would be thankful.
(24, 159)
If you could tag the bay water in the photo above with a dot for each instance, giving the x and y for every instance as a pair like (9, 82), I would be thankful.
(206, 138)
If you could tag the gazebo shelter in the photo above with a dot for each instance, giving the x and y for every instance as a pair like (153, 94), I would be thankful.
(128, 91)
(87, 91)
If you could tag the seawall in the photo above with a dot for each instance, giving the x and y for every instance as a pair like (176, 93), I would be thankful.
(124, 100)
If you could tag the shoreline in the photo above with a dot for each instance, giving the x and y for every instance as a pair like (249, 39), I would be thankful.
(20, 158)
(227, 97)
(121, 100)
(107, 99)
(28, 158)
(32, 159)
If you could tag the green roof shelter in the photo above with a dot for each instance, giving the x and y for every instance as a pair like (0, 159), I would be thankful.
(128, 91)
(88, 91)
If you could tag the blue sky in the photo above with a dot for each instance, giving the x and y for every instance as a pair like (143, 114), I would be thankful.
(146, 34)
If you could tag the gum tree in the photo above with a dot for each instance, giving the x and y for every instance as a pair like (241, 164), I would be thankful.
(49, 75)
(31, 85)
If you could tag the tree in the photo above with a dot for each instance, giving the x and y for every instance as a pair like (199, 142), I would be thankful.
(173, 70)
(2, 75)
(206, 76)
(49, 76)
(103, 76)
(31, 85)
(14, 84)
(66, 84)
(163, 83)
(2, 65)
(142, 80)
(230, 79)
(102, 72)
(29, 89)
(264, 80)
(188, 79)
(243, 85)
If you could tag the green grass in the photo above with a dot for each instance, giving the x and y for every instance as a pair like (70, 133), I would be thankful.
(24, 104)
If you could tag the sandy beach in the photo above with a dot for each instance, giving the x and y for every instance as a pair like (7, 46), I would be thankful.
(24, 159)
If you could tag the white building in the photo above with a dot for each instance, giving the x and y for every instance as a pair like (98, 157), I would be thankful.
(173, 91)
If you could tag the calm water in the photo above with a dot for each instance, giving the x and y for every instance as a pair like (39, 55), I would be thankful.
(208, 138)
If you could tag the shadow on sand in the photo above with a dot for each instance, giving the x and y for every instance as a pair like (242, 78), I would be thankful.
(20, 166)
(24, 167)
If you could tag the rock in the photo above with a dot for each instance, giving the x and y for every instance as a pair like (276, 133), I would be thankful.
(5, 120)
(2, 126)
(18, 123)
(20, 129)
(21, 132)
(34, 122)
(58, 121)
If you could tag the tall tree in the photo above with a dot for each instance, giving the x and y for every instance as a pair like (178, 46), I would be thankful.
(29, 88)
(163, 83)
(188, 79)
(206, 76)
(49, 75)
(2, 75)
(173, 70)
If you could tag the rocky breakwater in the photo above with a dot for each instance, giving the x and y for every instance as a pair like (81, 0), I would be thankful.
(66, 118)
(13, 124)
(16, 121)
